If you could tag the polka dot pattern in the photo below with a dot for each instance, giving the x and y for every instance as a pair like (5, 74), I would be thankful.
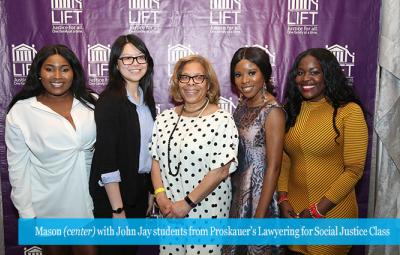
(206, 143)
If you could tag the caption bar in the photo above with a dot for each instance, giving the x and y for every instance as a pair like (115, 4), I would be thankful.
(209, 231)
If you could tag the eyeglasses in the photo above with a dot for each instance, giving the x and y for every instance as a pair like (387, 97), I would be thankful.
(197, 79)
(129, 60)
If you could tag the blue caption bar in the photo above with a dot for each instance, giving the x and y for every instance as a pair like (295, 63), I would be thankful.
(208, 231)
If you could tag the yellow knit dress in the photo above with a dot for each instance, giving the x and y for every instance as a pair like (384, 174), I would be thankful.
(315, 165)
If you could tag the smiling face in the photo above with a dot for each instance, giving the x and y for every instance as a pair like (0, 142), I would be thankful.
(249, 80)
(132, 72)
(191, 92)
(310, 79)
(56, 75)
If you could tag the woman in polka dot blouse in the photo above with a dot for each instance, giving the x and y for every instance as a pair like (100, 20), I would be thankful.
(194, 148)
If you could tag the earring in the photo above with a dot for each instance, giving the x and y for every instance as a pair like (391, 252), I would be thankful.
(264, 88)
(240, 99)
(40, 78)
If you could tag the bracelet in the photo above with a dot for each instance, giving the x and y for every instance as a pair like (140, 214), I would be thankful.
(158, 191)
(315, 213)
(190, 202)
(282, 198)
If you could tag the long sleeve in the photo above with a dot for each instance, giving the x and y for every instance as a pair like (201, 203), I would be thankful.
(106, 150)
(355, 139)
(18, 161)
(284, 175)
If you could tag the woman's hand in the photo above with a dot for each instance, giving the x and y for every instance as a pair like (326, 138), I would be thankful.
(150, 204)
(287, 210)
(164, 203)
(305, 213)
(119, 215)
(260, 214)
(179, 209)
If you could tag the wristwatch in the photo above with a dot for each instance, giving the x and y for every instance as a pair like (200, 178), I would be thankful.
(118, 210)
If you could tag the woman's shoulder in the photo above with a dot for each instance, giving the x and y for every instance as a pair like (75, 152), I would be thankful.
(166, 114)
(350, 108)
(109, 98)
(224, 114)
(22, 104)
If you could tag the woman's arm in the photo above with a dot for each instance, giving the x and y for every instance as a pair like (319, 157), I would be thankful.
(18, 169)
(104, 165)
(355, 143)
(274, 134)
(114, 196)
(221, 165)
(209, 183)
(164, 203)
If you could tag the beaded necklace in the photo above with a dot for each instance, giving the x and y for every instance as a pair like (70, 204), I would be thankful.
(202, 108)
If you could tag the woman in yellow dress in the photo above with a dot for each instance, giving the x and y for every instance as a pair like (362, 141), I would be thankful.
(325, 144)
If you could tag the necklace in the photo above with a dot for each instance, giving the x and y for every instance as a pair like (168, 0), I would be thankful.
(198, 109)
(202, 108)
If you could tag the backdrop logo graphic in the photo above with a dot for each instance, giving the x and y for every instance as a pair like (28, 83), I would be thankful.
(34, 250)
(225, 16)
(98, 57)
(158, 108)
(267, 50)
(302, 17)
(66, 16)
(271, 58)
(144, 16)
(175, 53)
(22, 57)
(344, 57)
(227, 104)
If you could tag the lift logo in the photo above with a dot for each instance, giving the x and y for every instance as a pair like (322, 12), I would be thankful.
(98, 57)
(225, 16)
(302, 17)
(22, 57)
(344, 57)
(66, 16)
(226, 104)
(144, 16)
(175, 53)
(272, 57)
(34, 250)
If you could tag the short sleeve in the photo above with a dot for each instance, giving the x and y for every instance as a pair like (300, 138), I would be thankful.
(225, 144)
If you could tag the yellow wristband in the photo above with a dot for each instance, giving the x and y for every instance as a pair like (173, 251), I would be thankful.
(159, 190)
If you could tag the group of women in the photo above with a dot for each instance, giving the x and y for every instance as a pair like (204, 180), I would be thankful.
(72, 153)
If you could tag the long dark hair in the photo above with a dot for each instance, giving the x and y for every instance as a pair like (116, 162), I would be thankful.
(33, 86)
(338, 89)
(258, 57)
(117, 83)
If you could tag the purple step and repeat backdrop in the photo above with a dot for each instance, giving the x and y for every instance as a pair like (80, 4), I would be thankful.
(176, 28)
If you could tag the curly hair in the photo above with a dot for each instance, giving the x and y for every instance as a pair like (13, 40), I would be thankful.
(213, 92)
(258, 57)
(338, 89)
(34, 87)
